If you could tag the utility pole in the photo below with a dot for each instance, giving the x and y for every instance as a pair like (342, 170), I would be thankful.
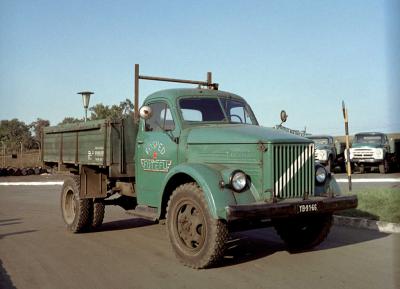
(346, 128)
(21, 155)
(40, 149)
(4, 153)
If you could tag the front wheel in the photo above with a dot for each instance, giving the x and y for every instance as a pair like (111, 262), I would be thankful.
(384, 167)
(197, 239)
(302, 233)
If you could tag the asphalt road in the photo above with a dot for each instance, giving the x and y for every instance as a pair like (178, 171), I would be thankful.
(37, 252)
(369, 181)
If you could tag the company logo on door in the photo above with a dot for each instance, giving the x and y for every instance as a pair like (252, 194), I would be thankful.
(154, 150)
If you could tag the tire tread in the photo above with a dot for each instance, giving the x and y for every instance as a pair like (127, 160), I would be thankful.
(218, 230)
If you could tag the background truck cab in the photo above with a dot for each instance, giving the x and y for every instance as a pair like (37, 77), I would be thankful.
(372, 149)
(325, 150)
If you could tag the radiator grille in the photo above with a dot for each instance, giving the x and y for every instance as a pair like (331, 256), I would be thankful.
(293, 172)
(363, 153)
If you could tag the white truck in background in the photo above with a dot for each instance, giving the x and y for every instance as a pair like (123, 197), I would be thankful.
(373, 149)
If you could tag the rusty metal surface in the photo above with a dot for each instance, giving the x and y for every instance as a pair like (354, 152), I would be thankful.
(93, 183)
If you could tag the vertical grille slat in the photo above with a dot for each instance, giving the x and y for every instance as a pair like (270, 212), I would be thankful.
(293, 172)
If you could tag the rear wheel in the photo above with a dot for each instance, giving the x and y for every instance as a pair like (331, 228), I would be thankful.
(98, 213)
(305, 232)
(197, 239)
(384, 167)
(76, 212)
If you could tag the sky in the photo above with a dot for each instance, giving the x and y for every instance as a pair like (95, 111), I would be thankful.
(301, 56)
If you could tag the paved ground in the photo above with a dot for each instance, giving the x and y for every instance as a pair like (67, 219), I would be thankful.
(380, 181)
(37, 252)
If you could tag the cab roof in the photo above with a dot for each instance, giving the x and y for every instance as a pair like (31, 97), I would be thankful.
(319, 136)
(175, 93)
(370, 133)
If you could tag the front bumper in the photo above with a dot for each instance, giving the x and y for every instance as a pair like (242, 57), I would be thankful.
(288, 208)
(369, 161)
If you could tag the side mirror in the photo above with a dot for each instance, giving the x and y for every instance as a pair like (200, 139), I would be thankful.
(284, 116)
(145, 112)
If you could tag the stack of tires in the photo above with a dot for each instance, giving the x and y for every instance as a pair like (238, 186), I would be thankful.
(10, 171)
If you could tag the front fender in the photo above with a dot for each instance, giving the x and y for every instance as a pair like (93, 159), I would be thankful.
(330, 187)
(208, 178)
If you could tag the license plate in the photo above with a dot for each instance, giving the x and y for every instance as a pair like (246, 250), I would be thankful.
(308, 208)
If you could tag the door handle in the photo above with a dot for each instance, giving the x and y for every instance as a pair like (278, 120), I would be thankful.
(140, 141)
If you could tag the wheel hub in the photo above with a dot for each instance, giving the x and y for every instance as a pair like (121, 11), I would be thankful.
(190, 226)
(69, 206)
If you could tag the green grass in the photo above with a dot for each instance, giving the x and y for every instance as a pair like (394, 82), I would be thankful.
(377, 204)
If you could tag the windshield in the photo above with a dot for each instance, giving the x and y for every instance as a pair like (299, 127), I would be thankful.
(320, 141)
(224, 110)
(373, 139)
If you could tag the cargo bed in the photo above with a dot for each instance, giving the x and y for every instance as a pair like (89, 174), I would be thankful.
(101, 143)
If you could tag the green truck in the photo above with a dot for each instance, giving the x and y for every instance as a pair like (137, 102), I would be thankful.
(197, 160)
(373, 149)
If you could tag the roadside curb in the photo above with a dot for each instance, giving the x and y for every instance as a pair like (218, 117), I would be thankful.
(384, 227)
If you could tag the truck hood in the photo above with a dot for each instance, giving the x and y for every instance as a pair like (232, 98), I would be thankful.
(366, 145)
(240, 133)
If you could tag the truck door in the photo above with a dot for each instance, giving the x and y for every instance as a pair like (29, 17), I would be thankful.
(156, 153)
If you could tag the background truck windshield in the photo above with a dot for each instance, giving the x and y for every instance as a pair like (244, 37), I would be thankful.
(320, 141)
(222, 110)
(375, 139)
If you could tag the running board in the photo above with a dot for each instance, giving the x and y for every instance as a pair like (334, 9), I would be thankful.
(144, 212)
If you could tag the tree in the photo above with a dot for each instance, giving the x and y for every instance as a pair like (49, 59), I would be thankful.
(101, 111)
(13, 132)
(69, 119)
(37, 127)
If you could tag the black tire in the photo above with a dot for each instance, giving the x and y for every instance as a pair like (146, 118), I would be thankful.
(303, 233)
(384, 167)
(197, 239)
(76, 212)
(98, 213)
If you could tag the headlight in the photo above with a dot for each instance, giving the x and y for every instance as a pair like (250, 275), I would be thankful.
(378, 154)
(238, 181)
(320, 175)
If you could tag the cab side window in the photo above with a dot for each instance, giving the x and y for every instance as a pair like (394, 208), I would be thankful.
(161, 119)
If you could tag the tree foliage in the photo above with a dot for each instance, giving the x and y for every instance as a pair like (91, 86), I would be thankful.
(14, 132)
(37, 127)
(101, 111)
(69, 119)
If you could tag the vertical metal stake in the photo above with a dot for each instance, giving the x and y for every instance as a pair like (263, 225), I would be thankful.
(4, 154)
(21, 156)
(136, 100)
(346, 127)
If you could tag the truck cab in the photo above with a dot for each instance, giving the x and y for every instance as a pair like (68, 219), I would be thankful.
(325, 150)
(370, 149)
